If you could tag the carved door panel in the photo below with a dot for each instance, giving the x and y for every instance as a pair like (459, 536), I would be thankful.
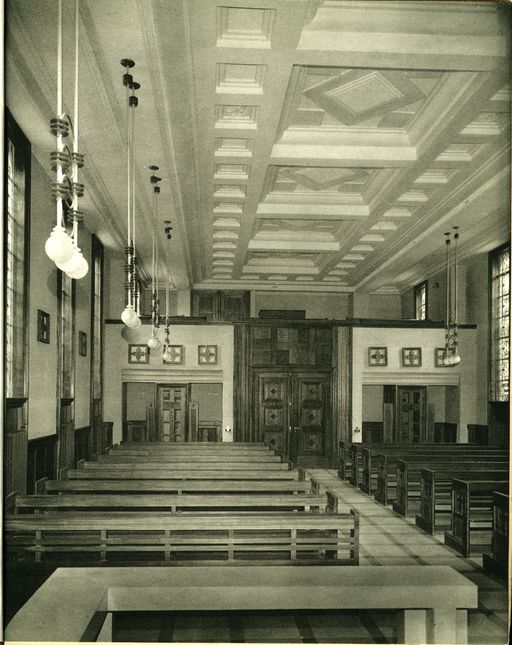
(172, 402)
(292, 413)
(412, 405)
(272, 409)
(311, 419)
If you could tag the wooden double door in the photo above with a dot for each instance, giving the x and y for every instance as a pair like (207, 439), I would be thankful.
(292, 413)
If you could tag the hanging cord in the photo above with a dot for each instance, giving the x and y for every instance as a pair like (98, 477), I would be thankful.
(127, 82)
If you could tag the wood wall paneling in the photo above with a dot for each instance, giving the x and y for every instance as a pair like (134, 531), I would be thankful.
(41, 460)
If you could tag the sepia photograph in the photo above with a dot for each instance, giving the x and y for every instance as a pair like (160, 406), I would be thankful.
(256, 321)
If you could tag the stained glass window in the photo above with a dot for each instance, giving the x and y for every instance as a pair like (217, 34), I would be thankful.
(420, 301)
(499, 325)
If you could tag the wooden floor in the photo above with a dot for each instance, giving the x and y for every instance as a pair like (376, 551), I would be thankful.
(385, 539)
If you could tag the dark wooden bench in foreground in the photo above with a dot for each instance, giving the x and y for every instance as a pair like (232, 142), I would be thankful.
(178, 486)
(471, 529)
(408, 477)
(129, 472)
(431, 602)
(287, 537)
(435, 509)
(172, 503)
(497, 560)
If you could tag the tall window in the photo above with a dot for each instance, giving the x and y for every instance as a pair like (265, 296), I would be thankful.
(420, 301)
(499, 324)
(16, 259)
(96, 323)
(66, 335)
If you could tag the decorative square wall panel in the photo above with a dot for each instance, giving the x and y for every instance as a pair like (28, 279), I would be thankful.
(207, 354)
(236, 116)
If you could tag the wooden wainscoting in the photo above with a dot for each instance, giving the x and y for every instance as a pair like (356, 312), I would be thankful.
(83, 444)
(41, 460)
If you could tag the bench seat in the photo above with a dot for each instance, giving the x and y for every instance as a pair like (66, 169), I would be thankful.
(178, 487)
(173, 503)
(283, 536)
(178, 474)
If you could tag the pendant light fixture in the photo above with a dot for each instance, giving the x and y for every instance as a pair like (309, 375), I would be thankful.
(129, 315)
(167, 357)
(451, 351)
(154, 342)
(60, 247)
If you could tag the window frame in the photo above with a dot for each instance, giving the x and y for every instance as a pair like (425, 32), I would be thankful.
(492, 350)
(417, 290)
(23, 154)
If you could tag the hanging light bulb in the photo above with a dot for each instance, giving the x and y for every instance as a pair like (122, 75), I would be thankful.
(451, 353)
(58, 246)
(154, 341)
(81, 270)
(129, 316)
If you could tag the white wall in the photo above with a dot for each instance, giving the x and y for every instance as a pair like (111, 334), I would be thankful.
(465, 375)
(190, 336)
(43, 358)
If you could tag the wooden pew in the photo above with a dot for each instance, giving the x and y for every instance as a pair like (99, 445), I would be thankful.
(199, 445)
(497, 560)
(170, 458)
(129, 472)
(362, 474)
(408, 476)
(344, 459)
(181, 465)
(386, 465)
(281, 537)
(472, 514)
(178, 487)
(210, 448)
(172, 503)
(436, 493)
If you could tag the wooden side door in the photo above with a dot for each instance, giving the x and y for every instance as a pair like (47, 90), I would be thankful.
(311, 415)
(272, 408)
(172, 413)
(412, 409)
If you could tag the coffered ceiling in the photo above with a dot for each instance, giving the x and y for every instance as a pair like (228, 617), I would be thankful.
(303, 144)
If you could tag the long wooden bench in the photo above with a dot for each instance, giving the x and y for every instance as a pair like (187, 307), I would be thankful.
(192, 448)
(178, 487)
(430, 603)
(199, 445)
(121, 457)
(471, 528)
(436, 493)
(497, 560)
(181, 465)
(408, 477)
(173, 503)
(280, 537)
(129, 472)
(386, 465)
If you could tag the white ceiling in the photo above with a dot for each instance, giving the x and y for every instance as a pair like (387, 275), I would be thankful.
(303, 144)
